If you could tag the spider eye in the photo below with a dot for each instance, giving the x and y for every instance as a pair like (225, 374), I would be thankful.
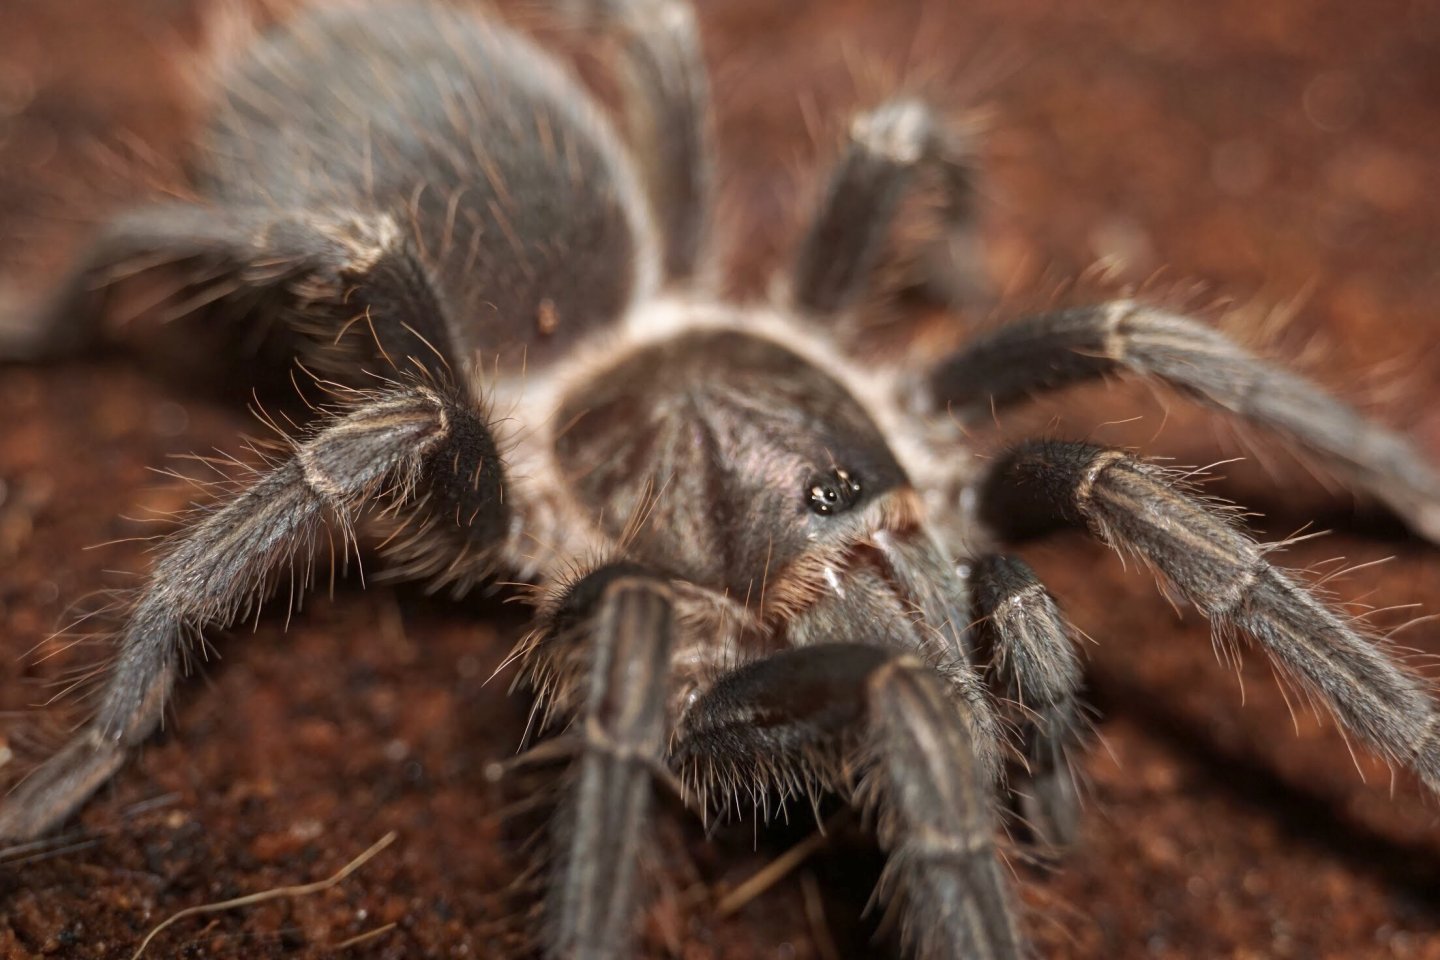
(832, 492)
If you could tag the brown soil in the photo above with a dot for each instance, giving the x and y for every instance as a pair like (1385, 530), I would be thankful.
(1280, 153)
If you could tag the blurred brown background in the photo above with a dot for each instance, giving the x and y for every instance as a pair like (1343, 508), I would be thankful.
(1283, 154)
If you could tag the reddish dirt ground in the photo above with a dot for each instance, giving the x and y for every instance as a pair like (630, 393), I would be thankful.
(1278, 153)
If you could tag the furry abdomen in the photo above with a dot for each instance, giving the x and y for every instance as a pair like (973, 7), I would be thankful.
(499, 171)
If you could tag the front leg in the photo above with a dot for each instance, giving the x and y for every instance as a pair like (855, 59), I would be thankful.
(1047, 352)
(395, 445)
(608, 646)
(880, 728)
(1138, 509)
(1034, 665)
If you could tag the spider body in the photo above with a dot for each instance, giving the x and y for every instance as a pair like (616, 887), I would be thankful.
(465, 142)
(766, 561)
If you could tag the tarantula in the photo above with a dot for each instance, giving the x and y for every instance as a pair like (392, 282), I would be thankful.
(756, 545)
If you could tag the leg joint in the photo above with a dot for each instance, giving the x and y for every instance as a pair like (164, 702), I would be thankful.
(900, 131)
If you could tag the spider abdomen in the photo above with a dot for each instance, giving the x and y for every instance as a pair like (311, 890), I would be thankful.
(492, 165)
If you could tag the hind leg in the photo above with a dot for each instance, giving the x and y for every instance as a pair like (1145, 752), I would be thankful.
(899, 153)
(348, 284)
(667, 103)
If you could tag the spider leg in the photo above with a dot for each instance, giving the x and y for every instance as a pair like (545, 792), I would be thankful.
(1052, 350)
(667, 103)
(1135, 508)
(893, 150)
(617, 626)
(318, 272)
(879, 727)
(385, 446)
(1036, 669)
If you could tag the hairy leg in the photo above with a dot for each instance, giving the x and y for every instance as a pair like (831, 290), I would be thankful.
(879, 727)
(1054, 350)
(385, 446)
(667, 103)
(1136, 508)
(237, 267)
(625, 622)
(1034, 665)
(895, 149)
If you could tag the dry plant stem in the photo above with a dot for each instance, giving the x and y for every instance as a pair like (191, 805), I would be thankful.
(301, 890)
(365, 937)
(775, 871)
